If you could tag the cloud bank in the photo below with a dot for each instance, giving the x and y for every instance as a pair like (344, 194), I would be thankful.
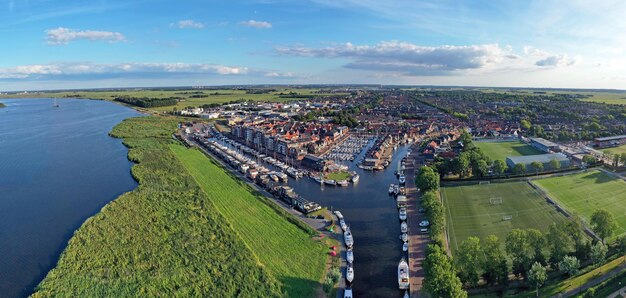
(62, 36)
(256, 24)
(188, 24)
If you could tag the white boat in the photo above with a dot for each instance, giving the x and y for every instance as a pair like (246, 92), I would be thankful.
(404, 237)
(347, 235)
(274, 177)
(404, 227)
(349, 273)
(343, 225)
(391, 188)
(350, 256)
(318, 179)
(243, 168)
(330, 182)
(403, 275)
(355, 178)
(402, 179)
(347, 293)
(338, 214)
(402, 214)
(343, 183)
(282, 176)
(405, 246)
(406, 294)
(396, 189)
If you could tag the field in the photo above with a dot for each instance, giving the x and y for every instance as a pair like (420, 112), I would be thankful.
(212, 95)
(338, 176)
(616, 150)
(616, 97)
(470, 211)
(584, 193)
(283, 248)
(168, 237)
(501, 150)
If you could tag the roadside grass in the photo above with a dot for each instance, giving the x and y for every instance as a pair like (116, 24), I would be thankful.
(586, 192)
(502, 150)
(612, 285)
(288, 252)
(165, 238)
(469, 211)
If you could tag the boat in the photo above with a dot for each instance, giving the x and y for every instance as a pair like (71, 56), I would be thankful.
(355, 178)
(403, 275)
(243, 168)
(343, 183)
(402, 214)
(402, 179)
(282, 176)
(396, 189)
(55, 104)
(349, 273)
(405, 246)
(252, 173)
(274, 177)
(330, 182)
(404, 237)
(338, 214)
(391, 188)
(318, 179)
(347, 235)
(347, 293)
(350, 256)
(404, 227)
(406, 294)
(343, 225)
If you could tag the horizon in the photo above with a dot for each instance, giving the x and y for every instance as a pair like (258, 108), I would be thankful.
(508, 44)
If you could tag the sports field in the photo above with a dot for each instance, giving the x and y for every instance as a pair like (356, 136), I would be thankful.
(501, 150)
(616, 150)
(584, 193)
(479, 210)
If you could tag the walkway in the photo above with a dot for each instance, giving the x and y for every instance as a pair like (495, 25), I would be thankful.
(418, 242)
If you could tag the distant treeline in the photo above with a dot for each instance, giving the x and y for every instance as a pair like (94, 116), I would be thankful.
(294, 95)
(146, 102)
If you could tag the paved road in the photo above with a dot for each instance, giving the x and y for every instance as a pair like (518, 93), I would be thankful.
(417, 242)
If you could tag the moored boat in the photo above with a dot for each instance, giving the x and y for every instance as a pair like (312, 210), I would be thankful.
(404, 227)
(330, 182)
(342, 183)
(391, 189)
(347, 235)
(350, 257)
(405, 246)
(355, 178)
(402, 214)
(404, 237)
(350, 273)
(403, 275)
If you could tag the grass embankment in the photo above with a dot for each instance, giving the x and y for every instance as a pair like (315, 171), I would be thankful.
(287, 251)
(470, 211)
(502, 150)
(586, 192)
(165, 238)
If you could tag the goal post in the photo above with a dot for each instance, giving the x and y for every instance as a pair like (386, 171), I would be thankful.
(484, 182)
(495, 201)
(507, 217)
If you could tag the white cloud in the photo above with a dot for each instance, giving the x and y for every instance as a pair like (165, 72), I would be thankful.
(279, 75)
(556, 60)
(87, 70)
(256, 24)
(188, 24)
(61, 36)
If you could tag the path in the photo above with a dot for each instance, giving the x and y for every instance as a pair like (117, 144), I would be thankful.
(619, 293)
(417, 242)
(594, 282)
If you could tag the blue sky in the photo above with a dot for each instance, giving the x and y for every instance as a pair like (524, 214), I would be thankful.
(83, 44)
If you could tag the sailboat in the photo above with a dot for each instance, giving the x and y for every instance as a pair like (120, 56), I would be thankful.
(55, 104)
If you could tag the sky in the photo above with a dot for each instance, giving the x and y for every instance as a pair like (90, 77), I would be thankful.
(67, 44)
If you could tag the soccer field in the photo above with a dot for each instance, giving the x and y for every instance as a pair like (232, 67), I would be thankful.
(476, 210)
(616, 150)
(584, 193)
(501, 150)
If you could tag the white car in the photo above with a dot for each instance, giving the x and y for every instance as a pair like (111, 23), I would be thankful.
(424, 223)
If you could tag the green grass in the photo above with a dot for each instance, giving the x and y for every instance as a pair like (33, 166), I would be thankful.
(283, 248)
(586, 192)
(168, 237)
(502, 150)
(469, 211)
(615, 150)
(338, 176)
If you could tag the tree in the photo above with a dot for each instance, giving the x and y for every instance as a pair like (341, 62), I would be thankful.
(555, 164)
(558, 242)
(469, 261)
(536, 166)
(574, 230)
(427, 179)
(495, 267)
(525, 124)
(623, 158)
(537, 275)
(569, 265)
(462, 164)
(598, 253)
(519, 169)
(440, 279)
(483, 168)
(465, 138)
(499, 167)
(621, 246)
(603, 223)
(616, 159)
(536, 241)
(588, 159)
(520, 250)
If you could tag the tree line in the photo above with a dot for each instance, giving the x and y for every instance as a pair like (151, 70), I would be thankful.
(148, 102)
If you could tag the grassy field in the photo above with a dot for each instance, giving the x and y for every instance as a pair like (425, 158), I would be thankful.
(168, 238)
(338, 176)
(501, 150)
(284, 249)
(213, 95)
(616, 150)
(471, 213)
(595, 96)
(586, 192)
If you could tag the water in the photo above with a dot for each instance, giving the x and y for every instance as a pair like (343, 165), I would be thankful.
(58, 166)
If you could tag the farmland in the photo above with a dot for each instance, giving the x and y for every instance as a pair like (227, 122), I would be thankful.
(169, 237)
(501, 150)
(285, 250)
(470, 211)
(586, 192)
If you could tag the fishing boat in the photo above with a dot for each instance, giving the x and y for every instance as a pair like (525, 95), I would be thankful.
(402, 214)
(350, 257)
(342, 183)
(405, 246)
(350, 273)
(404, 237)
(404, 227)
(403, 275)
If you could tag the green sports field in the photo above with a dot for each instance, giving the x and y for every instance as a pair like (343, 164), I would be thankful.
(616, 150)
(470, 211)
(501, 150)
(584, 193)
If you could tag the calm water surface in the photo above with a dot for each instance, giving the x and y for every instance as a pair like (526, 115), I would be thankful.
(58, 166)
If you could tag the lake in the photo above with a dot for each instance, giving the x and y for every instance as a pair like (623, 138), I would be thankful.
(58, 167)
